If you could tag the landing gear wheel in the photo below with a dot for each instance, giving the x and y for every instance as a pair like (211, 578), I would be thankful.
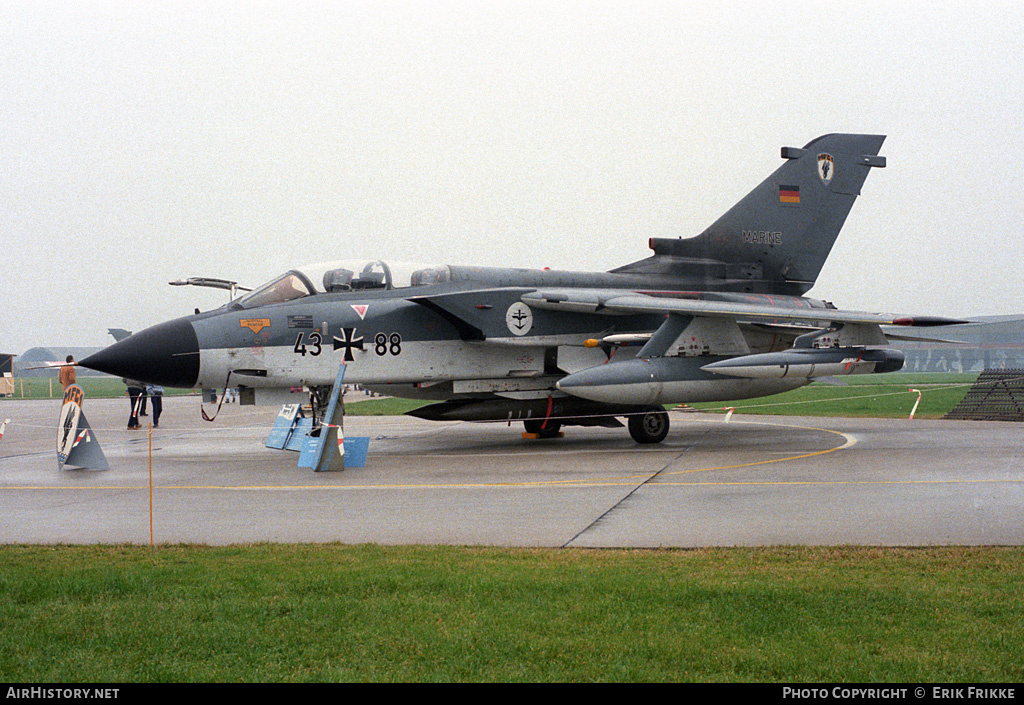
(549, 430)
(649, 427)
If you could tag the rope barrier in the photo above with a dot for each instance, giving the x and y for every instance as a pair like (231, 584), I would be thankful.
(727, 411)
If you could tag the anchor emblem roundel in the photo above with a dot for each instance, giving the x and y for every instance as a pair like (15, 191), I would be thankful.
(519, 318)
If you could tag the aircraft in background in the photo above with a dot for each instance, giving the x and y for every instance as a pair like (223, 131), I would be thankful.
(716, 317)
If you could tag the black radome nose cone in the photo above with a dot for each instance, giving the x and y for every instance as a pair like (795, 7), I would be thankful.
(166, 354)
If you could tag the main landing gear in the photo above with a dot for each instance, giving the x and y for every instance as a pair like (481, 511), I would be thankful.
(646, 427)
(649, 427)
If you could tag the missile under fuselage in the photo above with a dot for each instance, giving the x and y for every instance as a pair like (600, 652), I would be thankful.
(565, 410)
(809, 363)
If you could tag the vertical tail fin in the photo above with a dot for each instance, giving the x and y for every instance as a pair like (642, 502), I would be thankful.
(776, 239)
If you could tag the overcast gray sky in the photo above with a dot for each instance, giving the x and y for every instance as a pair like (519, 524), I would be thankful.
(143, 142)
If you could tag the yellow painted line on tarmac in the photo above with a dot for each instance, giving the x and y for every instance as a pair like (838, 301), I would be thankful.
(849, 441)
(844, 482)
(607, 482)
(320, 488)
(611, 482)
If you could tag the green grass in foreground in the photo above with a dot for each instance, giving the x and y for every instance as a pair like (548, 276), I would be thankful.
(387, 406)
(370, 613)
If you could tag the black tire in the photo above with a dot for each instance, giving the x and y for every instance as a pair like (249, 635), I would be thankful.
(650, 427)
(549, 430)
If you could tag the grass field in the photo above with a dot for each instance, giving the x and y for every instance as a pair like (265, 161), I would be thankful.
(95, 387)
(870, 395)
(369, 613)
(885, 396)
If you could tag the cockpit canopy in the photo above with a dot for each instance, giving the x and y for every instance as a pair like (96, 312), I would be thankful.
(343, 276)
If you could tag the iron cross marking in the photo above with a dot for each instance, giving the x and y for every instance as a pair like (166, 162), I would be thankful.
(349, 342)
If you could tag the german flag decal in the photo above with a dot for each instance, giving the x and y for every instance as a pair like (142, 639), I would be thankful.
(789, 194)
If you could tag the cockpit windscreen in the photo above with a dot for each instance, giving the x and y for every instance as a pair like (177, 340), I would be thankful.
(344, 276)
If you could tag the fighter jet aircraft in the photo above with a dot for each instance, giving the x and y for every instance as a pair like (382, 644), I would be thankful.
(714, 317)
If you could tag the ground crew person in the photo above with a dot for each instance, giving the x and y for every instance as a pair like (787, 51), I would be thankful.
(67, 373)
